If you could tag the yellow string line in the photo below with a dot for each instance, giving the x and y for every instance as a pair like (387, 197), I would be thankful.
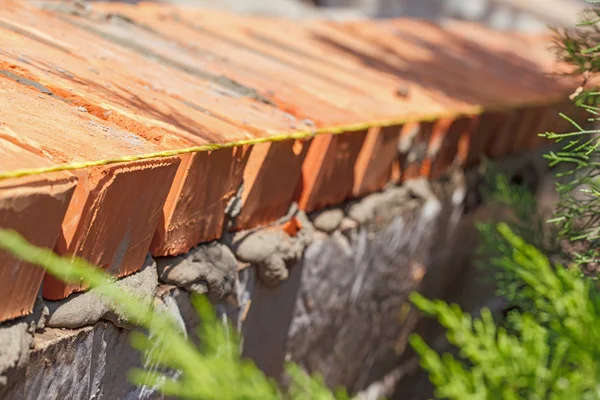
(298, 135)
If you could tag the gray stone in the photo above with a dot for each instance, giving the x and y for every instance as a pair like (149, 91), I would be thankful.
(266, 326)
(15, 342)
(87, 363)
(364, 210)
(386, 202)
(328, 220)
(256, 247)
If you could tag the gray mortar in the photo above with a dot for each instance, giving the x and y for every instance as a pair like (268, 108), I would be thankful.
(15, 343)
(327, 220)
(209, 268)
(272, 249)
(88, 308)
(365, 209)
(420, 188)
(233, 208)
(16, 338)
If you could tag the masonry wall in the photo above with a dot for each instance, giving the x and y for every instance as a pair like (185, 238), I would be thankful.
(306, 175)
(342, 310)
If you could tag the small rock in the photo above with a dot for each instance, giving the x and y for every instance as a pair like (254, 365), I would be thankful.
(420, 188)
(402, 91)
(347, 224)
(364, 210)
(273, 270)
(328, 220)
(258, 246)
(82, 109)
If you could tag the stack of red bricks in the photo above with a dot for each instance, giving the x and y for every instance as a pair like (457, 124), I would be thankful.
(116, 80)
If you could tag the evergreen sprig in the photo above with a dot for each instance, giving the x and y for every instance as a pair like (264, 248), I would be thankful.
(551, 351)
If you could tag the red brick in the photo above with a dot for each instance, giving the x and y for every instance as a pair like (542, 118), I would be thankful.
(444, 149)
(195, 208)
(182, 77)
(117, 205)
(271, 178)
(413, 163)
(34, 206)
(328, 170)
(502, 132)
(527, 129)
(157, 123)
(373, 168)
(481, 136)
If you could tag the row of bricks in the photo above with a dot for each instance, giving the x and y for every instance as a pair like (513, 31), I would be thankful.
(109, 215)
(126, 80)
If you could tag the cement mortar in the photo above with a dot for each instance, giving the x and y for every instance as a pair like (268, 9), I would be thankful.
(210, 268)
(16, 339)
(88, 308)
(15, 342)
(272, 249)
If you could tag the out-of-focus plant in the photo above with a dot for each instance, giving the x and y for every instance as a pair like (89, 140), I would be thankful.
(551, 351)
(578, 211)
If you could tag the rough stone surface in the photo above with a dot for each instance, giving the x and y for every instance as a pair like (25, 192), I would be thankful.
(364, 210)
(354, 289)
(209, 268)
(90, 362)
(90, 307)
(15, 341)
(267, 323)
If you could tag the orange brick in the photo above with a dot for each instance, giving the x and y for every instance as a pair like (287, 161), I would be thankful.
(481, 136)
(321, 82)
(527, 129)
(292, 227)
(445, 149)
(502, 132)
(415, 139)
(328, 170)
(195, 208)
(183, 77)
(117, 205)
(35, 207)
(270, 181)
(159, 124)
(373, 167)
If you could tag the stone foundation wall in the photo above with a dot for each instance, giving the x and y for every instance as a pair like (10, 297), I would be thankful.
(332, 296)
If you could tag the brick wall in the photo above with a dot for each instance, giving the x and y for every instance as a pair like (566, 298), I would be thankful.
(324, 114)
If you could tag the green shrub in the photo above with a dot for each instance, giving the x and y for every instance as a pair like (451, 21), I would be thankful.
(549, 352)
